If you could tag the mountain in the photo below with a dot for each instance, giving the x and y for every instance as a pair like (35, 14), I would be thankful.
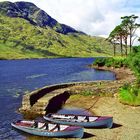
(26, 31)
(34, 15)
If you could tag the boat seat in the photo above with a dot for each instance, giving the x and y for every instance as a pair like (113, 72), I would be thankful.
(63, 127)
(91, 119)
(35, 125)
(75, 117)
(81, 119)
(87, 118)
(53, 127)
(45, 127)
(40, 125)
(59, 127)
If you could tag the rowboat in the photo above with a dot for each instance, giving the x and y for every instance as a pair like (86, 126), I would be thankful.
(80, 120)
(48, 129)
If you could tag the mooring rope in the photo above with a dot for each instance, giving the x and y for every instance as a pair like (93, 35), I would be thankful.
(96, 100)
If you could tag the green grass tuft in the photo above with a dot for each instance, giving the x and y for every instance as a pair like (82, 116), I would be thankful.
(130, 95)
(86, 93)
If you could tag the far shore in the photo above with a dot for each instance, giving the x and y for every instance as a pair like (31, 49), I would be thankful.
(51, 58)
(120, 73)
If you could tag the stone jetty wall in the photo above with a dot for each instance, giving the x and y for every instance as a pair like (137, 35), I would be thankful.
(35, 100)
(29, 99)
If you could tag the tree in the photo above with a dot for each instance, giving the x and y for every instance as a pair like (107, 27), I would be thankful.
(130, 26)
(122, 37)
(113, 40)
(119, 36)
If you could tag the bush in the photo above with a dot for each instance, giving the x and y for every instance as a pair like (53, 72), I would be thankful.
(100, 62)
(111, 62)
(130, 94)
(134, 62)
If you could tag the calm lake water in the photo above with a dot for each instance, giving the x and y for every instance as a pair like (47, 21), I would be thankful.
(18, 76)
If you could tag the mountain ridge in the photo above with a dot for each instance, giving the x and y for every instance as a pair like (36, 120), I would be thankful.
(34, 15)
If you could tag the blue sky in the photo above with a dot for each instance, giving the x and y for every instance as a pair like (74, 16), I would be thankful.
(95, 17)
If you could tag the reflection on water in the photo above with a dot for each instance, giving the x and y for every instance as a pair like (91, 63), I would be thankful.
(18, 76)
(36, 76)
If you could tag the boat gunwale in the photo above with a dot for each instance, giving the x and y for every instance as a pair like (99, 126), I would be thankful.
(45, 130)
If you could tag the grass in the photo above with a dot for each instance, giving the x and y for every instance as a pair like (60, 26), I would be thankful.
(130, 94)
(6, 52)
(86, 93)
(19, 39)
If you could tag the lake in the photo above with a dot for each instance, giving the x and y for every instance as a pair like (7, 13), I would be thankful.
(18, 76)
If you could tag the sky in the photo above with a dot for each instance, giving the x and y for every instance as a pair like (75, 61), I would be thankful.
(94, 17)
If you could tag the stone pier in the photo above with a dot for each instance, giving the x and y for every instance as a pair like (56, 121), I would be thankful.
(51, 98)
(36, 102)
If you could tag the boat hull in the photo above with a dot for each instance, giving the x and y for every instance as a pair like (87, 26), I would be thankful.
(102, 122)
(72, 133)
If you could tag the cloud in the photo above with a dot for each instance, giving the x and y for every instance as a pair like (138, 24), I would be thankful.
(94, 17)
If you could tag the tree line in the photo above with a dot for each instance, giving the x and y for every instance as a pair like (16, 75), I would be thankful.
(124, 34)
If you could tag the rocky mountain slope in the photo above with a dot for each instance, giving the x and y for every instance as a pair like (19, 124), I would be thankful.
(34, 15)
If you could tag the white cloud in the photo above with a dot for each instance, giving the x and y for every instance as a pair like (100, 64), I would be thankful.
(95, 17)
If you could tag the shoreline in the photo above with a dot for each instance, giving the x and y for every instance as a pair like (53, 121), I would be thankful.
(122, 73)
(52, 58)
(125, 117)
(107, 88)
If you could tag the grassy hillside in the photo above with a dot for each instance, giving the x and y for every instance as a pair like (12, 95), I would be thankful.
(19, 39)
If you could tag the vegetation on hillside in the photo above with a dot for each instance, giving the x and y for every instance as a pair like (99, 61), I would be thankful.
(19, 39)
(26, 31)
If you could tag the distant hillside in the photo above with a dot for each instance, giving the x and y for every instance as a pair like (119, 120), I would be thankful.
(28, 32)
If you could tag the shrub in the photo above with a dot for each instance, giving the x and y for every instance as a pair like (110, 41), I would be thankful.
(118, 63)
(86, 93)
(130, 94)
(111, 62)
(99, 62)
(134, 62)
